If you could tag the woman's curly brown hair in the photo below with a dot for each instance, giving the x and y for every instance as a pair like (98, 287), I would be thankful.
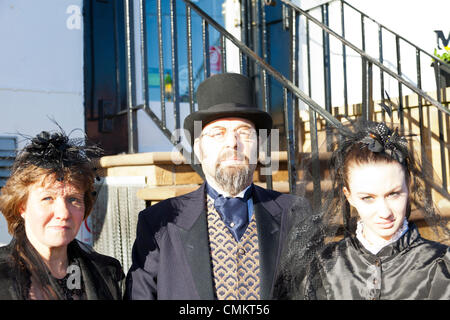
(14, 194)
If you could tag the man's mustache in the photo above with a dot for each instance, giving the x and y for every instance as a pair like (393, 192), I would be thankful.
(232, 154)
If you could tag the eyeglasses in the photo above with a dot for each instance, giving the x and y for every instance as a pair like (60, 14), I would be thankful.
(220, 133)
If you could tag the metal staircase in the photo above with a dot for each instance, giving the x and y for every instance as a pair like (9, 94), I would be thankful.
(253, 61)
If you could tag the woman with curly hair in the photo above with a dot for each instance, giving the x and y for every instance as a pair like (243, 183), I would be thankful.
(46, 199)
(376, 184)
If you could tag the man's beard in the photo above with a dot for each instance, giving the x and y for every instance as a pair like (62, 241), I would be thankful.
(234, 178)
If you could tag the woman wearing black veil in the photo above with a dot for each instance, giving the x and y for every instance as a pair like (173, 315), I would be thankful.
(46, 199)
(377, 183)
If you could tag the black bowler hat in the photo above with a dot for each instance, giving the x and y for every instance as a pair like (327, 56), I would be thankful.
(227, 95)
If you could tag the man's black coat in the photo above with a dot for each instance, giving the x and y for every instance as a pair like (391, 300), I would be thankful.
(171, 256)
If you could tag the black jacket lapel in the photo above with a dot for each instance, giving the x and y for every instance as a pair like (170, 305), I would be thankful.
(90, 282)
(266, 211)
(100, 281)
(193, 231)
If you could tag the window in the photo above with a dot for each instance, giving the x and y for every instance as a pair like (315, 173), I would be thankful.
(8, 147)
(213, 9)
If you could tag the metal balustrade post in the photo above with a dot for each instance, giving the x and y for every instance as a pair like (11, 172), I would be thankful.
(268, 163)
(244, 36)
(175, 78)
(441, 127)
(363, 34)
(423, 152)
(326, 70)
(293, 57)
(241, 62)
(253, 19)
(205, 41)
(190, 71)
(292, 171)
(380, 57)
(364, 104)
(130, 75)
(161, 63)
(189, 56)
(143, 24)
(265, 94)
(367, 90)
(420, 104)
(344, 61)
(370, 105)
(223, 45)
(400, 90)
(442, 148)
(315, 163)
(315, 160)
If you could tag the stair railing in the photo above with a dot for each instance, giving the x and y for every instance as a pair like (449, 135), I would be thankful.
(368, 64)
(291, 92)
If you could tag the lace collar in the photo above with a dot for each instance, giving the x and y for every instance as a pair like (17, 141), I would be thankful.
(374, 248)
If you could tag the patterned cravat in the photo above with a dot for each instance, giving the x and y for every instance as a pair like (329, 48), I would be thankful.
(233, 211)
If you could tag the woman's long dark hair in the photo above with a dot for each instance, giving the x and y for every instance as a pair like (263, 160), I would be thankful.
(29, 268)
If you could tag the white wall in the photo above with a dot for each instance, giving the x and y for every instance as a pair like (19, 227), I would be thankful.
(41, 69)
(41, 63)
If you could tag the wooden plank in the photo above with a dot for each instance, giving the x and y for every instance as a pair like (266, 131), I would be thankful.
(185, 175)
(164, 192)
(145, 158)
(163, 175)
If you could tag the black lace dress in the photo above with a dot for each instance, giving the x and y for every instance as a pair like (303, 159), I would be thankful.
(71, 285)
(70, 293)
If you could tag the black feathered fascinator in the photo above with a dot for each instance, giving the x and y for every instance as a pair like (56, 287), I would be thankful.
(56, 151)
(381, 138)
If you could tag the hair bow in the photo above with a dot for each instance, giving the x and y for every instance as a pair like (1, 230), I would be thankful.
(383, 139)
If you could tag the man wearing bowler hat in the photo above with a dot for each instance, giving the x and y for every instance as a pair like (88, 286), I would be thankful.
(223, 240)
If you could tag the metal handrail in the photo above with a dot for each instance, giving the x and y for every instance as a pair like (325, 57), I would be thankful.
(274, 73)
(368, 63)
(442, 62)
(289, 88)
(291, 92)
(369, 58)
